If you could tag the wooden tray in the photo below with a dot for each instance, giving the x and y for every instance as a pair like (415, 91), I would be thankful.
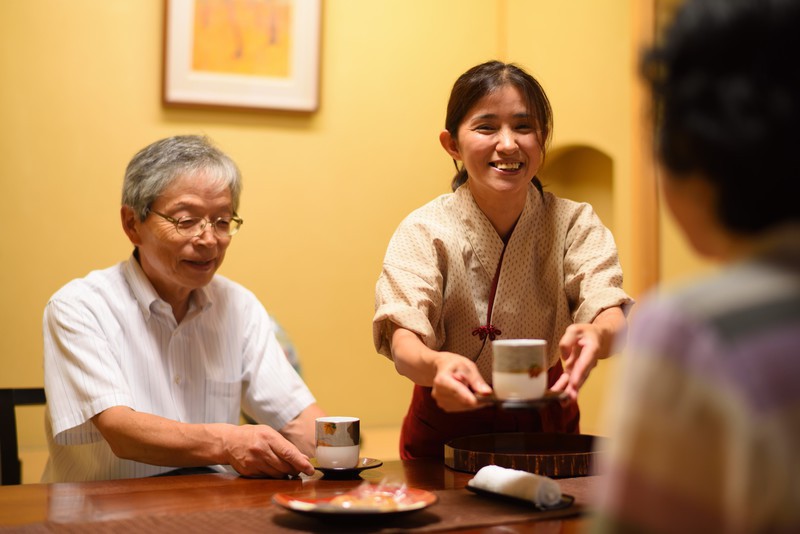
(552, 455)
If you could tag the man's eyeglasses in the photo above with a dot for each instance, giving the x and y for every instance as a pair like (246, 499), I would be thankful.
(195, 226)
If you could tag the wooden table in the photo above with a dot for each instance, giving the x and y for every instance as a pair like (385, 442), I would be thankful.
(227, 503)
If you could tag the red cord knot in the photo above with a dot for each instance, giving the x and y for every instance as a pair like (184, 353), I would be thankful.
(486, 330)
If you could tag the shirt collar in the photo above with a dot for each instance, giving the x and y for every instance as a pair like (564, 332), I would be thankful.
(479, 231)
(146, 295)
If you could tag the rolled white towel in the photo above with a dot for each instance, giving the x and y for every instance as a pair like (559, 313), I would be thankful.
(538, 489)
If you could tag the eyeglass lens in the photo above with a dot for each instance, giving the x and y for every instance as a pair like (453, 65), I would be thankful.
(194, 226)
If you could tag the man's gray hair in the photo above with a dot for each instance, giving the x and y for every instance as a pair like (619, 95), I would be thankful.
(156, 166)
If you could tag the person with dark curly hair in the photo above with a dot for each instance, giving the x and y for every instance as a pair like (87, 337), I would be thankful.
(706, 427)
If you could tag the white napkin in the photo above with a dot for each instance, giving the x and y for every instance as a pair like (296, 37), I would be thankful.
(538, 489)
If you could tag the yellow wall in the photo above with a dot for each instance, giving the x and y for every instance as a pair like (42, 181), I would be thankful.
(80, 94)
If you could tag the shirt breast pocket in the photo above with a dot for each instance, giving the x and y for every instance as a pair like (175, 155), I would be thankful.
(223, 401)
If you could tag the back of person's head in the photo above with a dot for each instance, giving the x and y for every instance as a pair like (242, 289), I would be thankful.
(486, 78)
(157, 165)
(727, 97)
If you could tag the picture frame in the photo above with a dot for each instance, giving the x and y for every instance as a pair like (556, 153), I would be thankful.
(242, 54)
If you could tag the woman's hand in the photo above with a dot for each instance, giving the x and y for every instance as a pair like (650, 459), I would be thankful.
(456, 382)
(455, 379)
(583, 344)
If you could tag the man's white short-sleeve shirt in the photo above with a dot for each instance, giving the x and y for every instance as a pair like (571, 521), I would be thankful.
(109, 340)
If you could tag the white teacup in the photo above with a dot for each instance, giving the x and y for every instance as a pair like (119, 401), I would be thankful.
(519, 369)
(338, 441)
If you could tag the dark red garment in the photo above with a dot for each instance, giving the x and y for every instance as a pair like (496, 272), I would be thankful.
(426, 427)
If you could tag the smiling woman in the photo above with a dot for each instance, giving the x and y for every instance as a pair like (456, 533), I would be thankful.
(499, 144)
(499, 257)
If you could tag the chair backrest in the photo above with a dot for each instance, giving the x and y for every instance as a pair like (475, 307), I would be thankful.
(10, 466)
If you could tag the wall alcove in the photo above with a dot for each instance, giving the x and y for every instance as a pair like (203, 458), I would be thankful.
(584, 174)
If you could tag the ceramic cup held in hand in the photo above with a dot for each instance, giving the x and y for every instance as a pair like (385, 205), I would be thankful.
(519, 371)
(337, 442)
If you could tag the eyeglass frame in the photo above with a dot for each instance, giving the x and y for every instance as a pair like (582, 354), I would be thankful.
(206, 221)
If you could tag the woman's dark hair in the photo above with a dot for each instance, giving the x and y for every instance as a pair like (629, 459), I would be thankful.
(727, 106)
(484, 79)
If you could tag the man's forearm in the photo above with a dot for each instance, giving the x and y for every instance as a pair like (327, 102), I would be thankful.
(157, 440)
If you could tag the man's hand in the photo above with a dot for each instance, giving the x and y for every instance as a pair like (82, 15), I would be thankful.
(253, 450)
(258, 450)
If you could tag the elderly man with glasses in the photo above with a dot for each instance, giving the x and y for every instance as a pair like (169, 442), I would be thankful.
(149, 363)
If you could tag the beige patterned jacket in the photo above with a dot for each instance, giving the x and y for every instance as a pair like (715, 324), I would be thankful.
(560, 267)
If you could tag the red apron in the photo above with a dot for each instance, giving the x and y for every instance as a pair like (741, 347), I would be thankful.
(426, 427)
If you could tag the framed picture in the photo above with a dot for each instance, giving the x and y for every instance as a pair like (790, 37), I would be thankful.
(242, 53)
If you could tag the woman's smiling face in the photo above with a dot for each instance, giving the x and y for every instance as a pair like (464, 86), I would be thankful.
(498, 143)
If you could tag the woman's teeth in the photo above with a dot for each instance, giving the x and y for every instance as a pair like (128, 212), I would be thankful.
(507, 166)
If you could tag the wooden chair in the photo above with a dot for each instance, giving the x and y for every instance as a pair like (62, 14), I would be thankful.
(10, 466)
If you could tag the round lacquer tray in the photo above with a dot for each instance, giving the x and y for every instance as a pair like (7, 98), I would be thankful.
(552, 455)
